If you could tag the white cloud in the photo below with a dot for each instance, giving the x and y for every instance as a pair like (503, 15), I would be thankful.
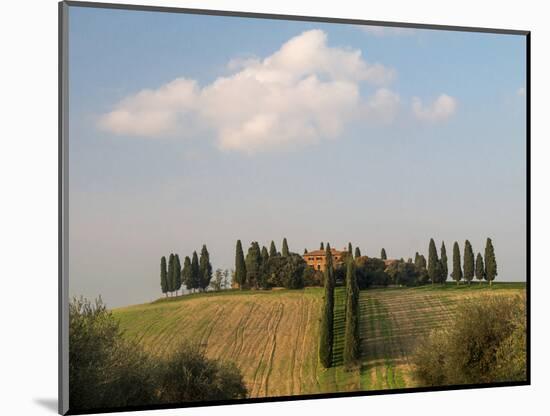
(384, 31)
(382, 106)
(164, 111)
(441, 109)
(303, 93)
(521, 92)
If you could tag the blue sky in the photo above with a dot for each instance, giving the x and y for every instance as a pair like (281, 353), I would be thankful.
(219, 155)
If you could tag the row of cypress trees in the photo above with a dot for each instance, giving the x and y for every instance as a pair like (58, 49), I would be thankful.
(170, 278)
(483, 270)
(351, 332)
(326, 331)
(196, 273)
(437, 267)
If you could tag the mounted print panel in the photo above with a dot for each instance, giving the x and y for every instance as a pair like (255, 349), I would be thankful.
(264, 208)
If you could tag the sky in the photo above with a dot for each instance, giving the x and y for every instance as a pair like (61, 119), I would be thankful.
(187, 130)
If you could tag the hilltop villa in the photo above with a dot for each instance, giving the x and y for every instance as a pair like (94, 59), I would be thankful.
(316, 259)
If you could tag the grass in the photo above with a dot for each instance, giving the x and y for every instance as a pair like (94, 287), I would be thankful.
(272, 336)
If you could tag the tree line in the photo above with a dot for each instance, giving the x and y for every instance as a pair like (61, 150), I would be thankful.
(196, 273)
(478, 267)
(380, 272)
(263, 268)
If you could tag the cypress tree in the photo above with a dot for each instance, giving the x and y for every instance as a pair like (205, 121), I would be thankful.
(285, 251)
(272, 249)
(186, 273)
(195, 271)
(163, 276)
(383, 254)
(177, 274)
(326, 330)
(421, 269)
(416, 258)
(171, 282)
(351, 334)
(468, 262)
(444, 264)
(422, 262)
(240, 266)
(253, 262)
(350, 249)
(322, 246)
(457, 270)
(480, 268)
(265, 255)
(205, 269)
(305, 250)
(263, 274)
(357, 252)
(433, 262)
(490, 262)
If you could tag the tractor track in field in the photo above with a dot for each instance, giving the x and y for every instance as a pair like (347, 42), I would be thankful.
(260, 365)
(239, 334)
(301, 347)
(203, 343)
(273, 334)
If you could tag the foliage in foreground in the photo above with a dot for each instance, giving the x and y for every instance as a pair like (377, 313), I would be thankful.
(99, 361)
(106, 370)
(486, 343)
(187, 375)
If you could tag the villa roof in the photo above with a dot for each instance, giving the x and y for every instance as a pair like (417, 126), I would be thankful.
(322, 252)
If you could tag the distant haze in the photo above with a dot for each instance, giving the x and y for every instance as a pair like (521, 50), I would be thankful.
(205, 130)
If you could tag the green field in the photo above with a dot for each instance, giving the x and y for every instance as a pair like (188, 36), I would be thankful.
(272, 336)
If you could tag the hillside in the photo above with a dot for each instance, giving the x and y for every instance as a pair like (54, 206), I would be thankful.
(272, 335)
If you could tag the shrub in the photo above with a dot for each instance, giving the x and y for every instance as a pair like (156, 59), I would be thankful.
(286, 271)
(484, 344)
(312, 277)
(370, 272)
(104, 371)
(186, 375)
(107, 371)
(402, 273)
